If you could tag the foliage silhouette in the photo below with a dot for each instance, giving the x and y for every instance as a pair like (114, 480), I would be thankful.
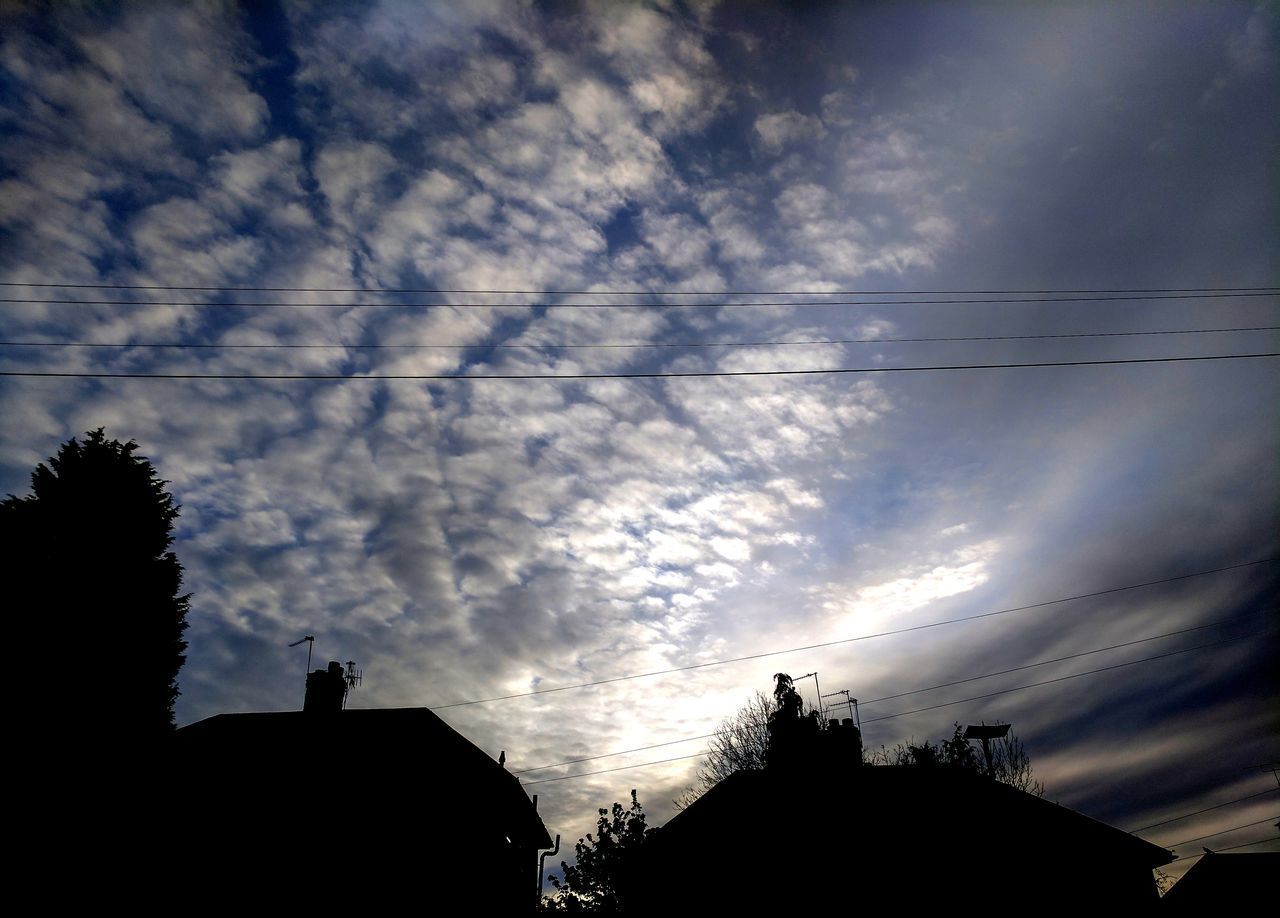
(748, 740)
(790, 727)
(741, 743)
(1010, 763)
(91, 559)
(600, 878)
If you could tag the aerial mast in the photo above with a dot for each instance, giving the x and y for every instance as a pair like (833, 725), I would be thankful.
(310, 642)
(985, 734)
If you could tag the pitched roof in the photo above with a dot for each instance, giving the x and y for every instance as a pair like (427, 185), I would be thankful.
(1219, 880)
(892, 803)
(409, 751)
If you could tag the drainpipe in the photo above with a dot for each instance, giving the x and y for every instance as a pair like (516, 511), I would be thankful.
(542, 860)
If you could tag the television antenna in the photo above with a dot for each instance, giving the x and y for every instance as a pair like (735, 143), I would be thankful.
(817, 690)
(853, 706)
(353, 678)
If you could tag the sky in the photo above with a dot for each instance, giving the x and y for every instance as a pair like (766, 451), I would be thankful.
(467, 538)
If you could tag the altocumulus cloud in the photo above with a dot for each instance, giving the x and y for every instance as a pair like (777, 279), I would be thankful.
(471, 538)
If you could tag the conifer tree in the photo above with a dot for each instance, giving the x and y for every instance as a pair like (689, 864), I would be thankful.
(99, 589)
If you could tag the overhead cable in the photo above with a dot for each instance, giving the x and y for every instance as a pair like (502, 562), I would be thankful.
(1008, 691)
(862, 637)
(702, 374)
(867, 701)
(1231, 848)
(276, 304)
(633, 292)
(1223, 831)
(639, 345)
(1216, 806)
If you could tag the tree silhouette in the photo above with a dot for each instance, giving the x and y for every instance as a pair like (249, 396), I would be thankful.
(791, 729)
(742, 742)
(600, 879)
(752, 738)
(1010, 763)
(91, 559)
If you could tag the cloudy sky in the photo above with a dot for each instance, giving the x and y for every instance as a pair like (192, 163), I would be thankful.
(462, 539)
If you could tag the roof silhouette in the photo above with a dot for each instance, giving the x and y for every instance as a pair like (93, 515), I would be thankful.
(1224, 881)
(892, 834)
(375, 804)
(414, 743)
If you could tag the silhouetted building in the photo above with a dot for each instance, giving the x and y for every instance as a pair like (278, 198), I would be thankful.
(1221, 884)
(325, 806)
(823, 829)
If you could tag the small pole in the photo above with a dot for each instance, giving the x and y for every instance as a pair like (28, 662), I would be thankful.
(310, 642)
(814, 676)
(984, 734)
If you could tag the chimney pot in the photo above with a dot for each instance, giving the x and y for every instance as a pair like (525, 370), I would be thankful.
(326, 690)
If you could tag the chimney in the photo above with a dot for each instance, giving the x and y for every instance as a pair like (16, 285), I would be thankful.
(326, 690)
(846, 739)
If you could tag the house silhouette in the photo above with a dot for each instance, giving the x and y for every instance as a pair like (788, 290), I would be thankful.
(1223, 883)
(360, 808)
(821, 827)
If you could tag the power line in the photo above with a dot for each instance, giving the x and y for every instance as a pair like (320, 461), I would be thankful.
(1003, 672)
(633, 345)
(1088, 672)
(1008, 691)
(391, 290)
(849, 640)
(1216, 806)
(703, 374)
(609, 755)
(903, 694)
(1073, 656)
(276, 304)
(1223, 832)
(605, 771)
(1232, 848)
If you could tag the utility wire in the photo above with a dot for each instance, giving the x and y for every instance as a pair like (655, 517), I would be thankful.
(1223, 832)
(609, 755)
(1219, 850)
(391, 290)
(1232, 848)
(1216, 806)
(905, 713)
(689, 739)
(1073, 656)
(275, 304)
(1008, 691)
(635, 345)
(605, 771)
(849, 640)
(703, 374)
(1089, 672)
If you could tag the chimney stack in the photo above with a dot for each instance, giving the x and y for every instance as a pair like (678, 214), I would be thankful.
(326, 690)
(846, 739)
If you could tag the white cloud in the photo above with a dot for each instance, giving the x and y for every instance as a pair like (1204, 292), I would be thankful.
(206, 58)
(472, 537)
(778, 130)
